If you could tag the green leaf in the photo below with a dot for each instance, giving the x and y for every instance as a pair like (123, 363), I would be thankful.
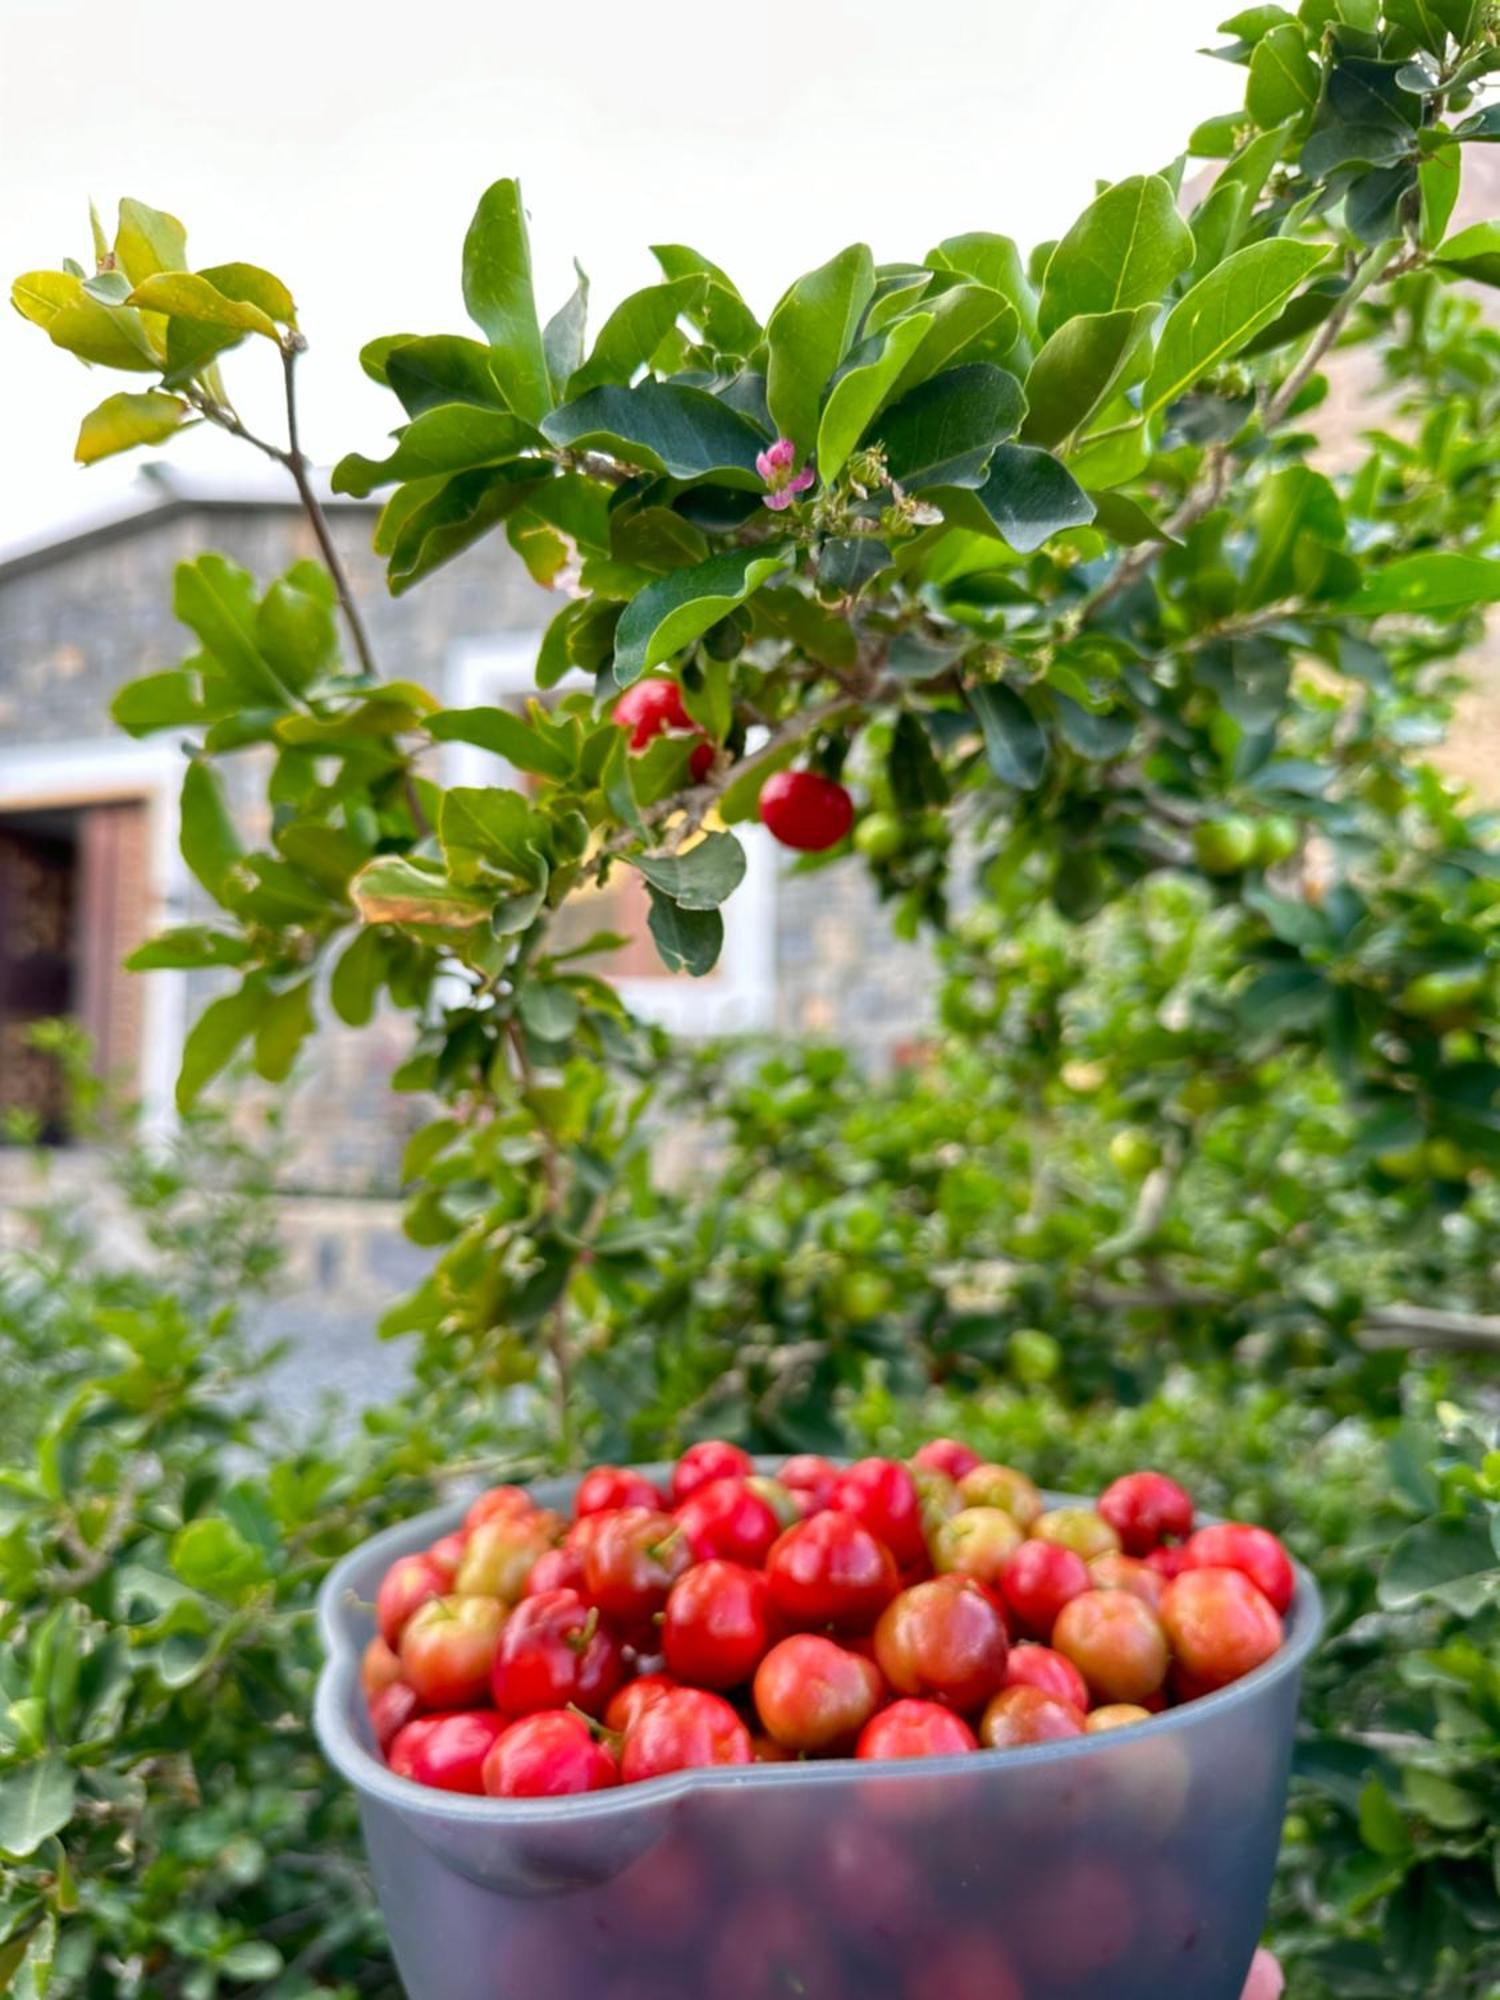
(215, 598)
(808, 335)
(252, 286)
(285, 1023)
(1027, 496)
(633, 332)
(123, 421)
(358, 977)
(212, 1555)
(1014, 741)
(1126, 521)
(563, 335)
(393, 889)
(1212, 322)
(295, 628)
(688, 940)
(1431, 21)
(1453, 1561)
(428, 372)
(1089, 359)
(861, 389)
(210, 845)
(1436, 584)
(36, 1801)
(994, 262)
(944, 432)
(1298, 522)
(1124, 250)
(702, 877)
(1382, 1826)
(462, 510)
(970, 323)
(1284, 79)
(1473, 252)
(148, 240)
(671, 613)
(499, 298)
(518, 742)
(158, 701)
(253, 1959)
(550, 1011)
(454, 437)
(213, 1038)
(1438, 177)
(496, 825)
(665, 427)
(189, 948)
(186, 295)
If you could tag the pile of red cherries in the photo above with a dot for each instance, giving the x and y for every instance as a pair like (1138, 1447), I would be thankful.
(886, 1609)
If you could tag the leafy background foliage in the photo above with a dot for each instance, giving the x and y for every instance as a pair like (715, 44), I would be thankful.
(1131, 691)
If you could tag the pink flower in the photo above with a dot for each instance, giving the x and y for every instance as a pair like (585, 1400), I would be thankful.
(1265, 1981)
(777, 467)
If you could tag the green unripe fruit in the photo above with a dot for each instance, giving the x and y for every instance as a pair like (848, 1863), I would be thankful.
(879, 836)
(1035, 1357)
(1443, 991)
(1132, 1151)
(1402, 1163)
(1445, 1160)
(1276, 839)
(864, 1294)
(1225, 846)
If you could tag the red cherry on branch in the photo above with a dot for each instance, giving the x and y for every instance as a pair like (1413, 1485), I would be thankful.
(651, 707)
(805, 811)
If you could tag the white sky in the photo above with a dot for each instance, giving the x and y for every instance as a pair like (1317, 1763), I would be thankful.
(344, 147)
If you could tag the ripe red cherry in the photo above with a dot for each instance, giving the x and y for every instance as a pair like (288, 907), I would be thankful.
(1019, 1715)
(1116, 1642)
(1256, 1551)
(948, 1456)
(829, 1570)
(1144, 1508)
(378, 1667)
(446, 1751)
(1052, 1672)
(500, 1554)
(1220, 1627)
(448, 1553)
(631, 1702)
(410, 1582)
(391, 1708)
(554, 1569)
(649, 708)
(686, 1730)
(915, 1729)
(717, 1624)
(882, 1494)
(630, 1564)
(610, 1486)
(1039, 1579)
(805, 811)
(1113, 1571)
(945, 1641)
(814, 1696)
(498, 1502)
(548, 1756)
(554, 1653)
(811, 1479)
(448, 1648)
(702, 1463)
(1168, 1562)
(728, 1518)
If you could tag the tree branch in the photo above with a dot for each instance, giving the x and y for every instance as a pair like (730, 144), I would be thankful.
(297, 465)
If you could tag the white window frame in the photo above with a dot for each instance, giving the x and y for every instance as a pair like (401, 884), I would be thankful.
(47, 777)
(741, 996)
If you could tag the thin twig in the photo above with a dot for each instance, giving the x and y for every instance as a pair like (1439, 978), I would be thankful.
(298, 466)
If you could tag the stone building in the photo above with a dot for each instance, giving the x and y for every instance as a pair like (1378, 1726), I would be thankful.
(89, 864)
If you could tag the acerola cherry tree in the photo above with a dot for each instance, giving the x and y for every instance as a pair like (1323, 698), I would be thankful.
(1038, 544)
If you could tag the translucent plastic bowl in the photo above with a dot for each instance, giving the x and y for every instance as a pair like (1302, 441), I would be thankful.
(1133, 1865)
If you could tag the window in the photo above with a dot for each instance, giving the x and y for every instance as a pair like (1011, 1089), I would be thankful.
(738, 993)
(87, 856)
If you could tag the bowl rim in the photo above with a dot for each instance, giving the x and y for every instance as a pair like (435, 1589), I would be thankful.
(338, 1693)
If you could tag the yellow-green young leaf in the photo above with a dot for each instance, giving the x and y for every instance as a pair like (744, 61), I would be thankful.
(111, 336)
(1284, 79)
(808, 335)
(148, 240)
(1210, 324)
(121, 422)
(1124, 250)
(395, 890)
(252, 286)
(499, 297)
(189, 295)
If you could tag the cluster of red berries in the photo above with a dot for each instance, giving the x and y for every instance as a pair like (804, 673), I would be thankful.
(885, 1609)
(801, 809)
